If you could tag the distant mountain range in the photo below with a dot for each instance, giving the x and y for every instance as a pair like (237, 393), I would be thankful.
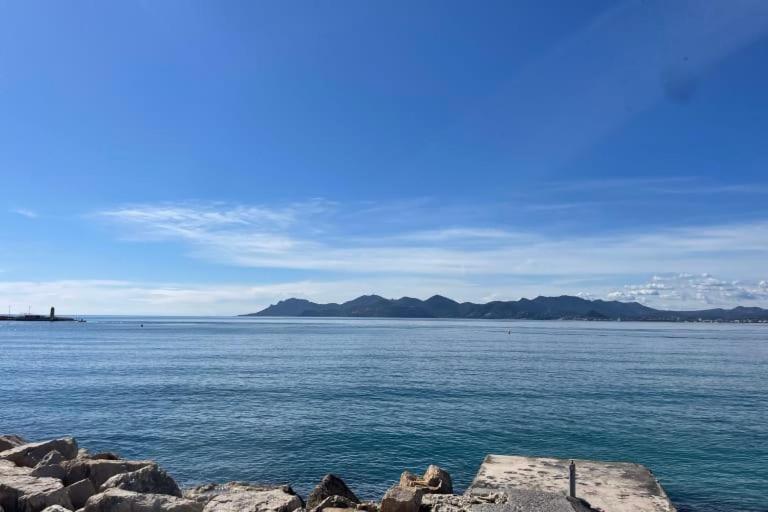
(541, 308)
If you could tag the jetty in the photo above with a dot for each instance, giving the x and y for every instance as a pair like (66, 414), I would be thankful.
(607, 486)
(51, 317)
(59, 476)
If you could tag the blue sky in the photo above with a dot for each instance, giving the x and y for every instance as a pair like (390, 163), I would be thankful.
(209, 157)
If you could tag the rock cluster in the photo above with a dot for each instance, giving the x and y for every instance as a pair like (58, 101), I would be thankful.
(58, 476)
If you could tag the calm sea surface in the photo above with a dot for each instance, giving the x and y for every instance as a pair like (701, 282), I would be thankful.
(288, 400)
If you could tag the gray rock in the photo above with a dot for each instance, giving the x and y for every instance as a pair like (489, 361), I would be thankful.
(240, 497)
(9, 441)
(99, 471)
(438, 480)
(51, 471)
(435, 480)
(206, 492)
(119, 500)
(408, 479)
(22, 492)
(56, 508)
(334, 503)
(8, 468)
(50, 466)
(105, 456)
(52, 457)
(330, 485)
(80, 491)
(149, 479)
(402, 499)
(31, 454)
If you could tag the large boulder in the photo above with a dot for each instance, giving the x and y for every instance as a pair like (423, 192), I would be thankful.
(402, 499)
(79, 492)
(243, 497)
(22, 492)
(119, 500)
(149, 479)
(31, 454)
(99, 471)
(9, 441)
(330, 485)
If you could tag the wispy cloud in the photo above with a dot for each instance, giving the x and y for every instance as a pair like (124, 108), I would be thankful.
(634, 183)
(672, 185)
(283, 238)
(25, 212)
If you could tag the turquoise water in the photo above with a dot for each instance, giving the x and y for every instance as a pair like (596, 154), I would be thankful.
(287, 400)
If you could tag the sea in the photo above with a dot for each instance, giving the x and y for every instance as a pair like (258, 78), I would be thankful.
(285, 400)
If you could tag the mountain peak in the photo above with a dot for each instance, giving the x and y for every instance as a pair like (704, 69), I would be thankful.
(365, 300)
(441, 299)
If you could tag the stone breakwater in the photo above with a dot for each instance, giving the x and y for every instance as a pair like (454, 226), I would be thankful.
(58, 476)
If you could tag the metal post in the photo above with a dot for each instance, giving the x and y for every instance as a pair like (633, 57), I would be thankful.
(572, 479)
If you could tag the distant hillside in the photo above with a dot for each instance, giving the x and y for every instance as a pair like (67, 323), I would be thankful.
(541, 308)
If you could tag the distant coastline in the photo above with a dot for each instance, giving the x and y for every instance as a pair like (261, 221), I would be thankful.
(564, 307)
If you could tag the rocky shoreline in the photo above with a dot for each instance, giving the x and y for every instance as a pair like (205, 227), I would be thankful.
(58, 476)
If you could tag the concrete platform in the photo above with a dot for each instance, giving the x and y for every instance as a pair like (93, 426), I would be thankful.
(607, 486)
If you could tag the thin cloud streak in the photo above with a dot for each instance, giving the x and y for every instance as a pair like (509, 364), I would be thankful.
(673, 186)
(25, 212)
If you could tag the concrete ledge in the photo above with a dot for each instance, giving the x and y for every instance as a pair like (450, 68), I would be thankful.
(608, 486)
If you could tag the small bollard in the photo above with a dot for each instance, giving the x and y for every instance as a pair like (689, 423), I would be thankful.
(572, 479)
